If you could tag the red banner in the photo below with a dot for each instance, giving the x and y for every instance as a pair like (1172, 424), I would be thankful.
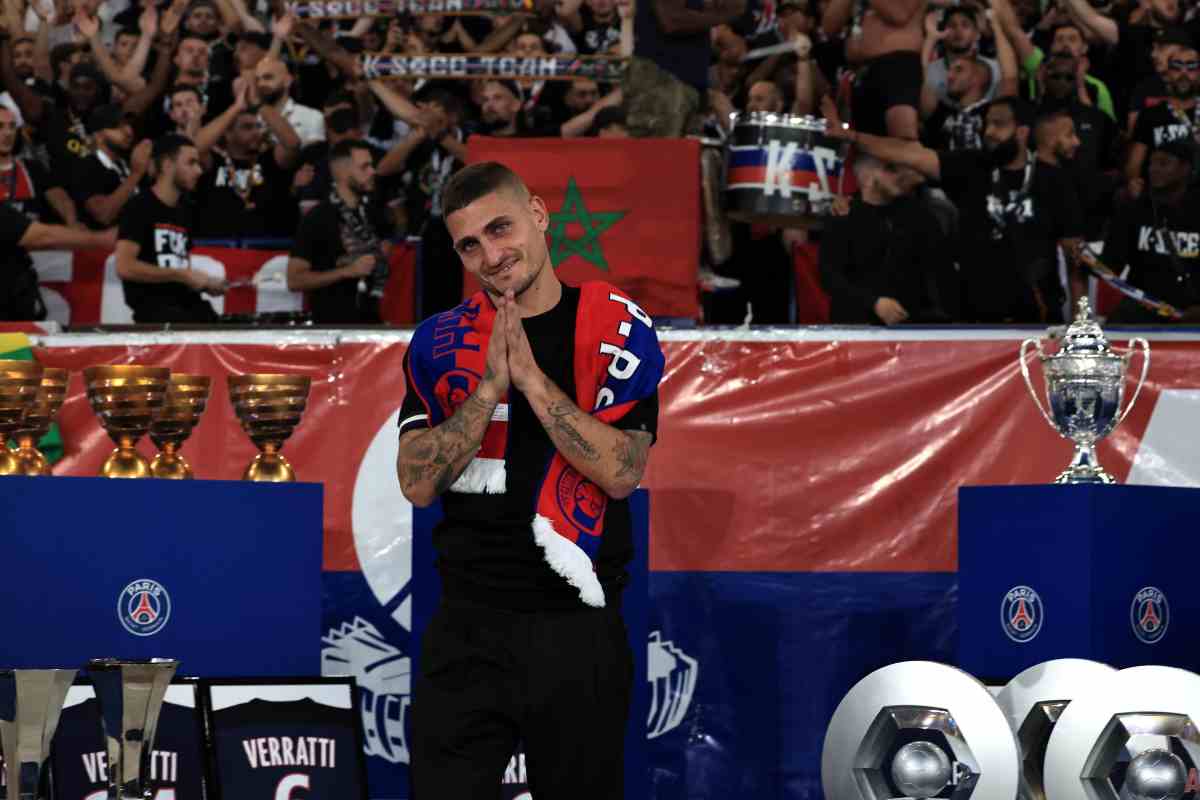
(626, 211)
(83, 288)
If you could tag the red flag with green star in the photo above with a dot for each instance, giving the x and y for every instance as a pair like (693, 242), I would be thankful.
(625, 211)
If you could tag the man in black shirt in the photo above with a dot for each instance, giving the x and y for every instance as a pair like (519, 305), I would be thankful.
(1158, 237)
(340, 255)
(884, 261)
(27, 185)
(154, 247)
(104, 181)
(1174, 119)
(504, 421)
(1014, 214)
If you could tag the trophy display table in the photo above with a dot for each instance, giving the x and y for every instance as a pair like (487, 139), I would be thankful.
(1077, 571)
(224, 576)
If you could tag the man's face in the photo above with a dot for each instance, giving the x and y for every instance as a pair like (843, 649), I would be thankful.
(192, 57)
(728, 46)
(958, 78)
(23, 59)
(187, 168)
(1064, 139)
(83, 92)
(202, 22)
(360, 173)
(1183, 73)
(1069, 40)
(8, 132)
(528, 45)
(123, 47)
(272, 80)
(119, 138)
(246, 134)
(961, 34)
(999, 127)
(581, 95)
(1167, 172)
(1060, 78)
(1161, 55)
(499, 106)
(185, 107)
(501, 239)
(247, 55)
(764, 96)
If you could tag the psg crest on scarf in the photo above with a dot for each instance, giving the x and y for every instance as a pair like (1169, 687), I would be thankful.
(144, 607)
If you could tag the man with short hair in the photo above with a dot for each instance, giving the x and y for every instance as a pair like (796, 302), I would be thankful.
(105, 181)
(514, 416)
(1176, 119)
(273, 81)
(341, 250)
(501, 108)
(154, 245)
(960, 39)
(186, 108)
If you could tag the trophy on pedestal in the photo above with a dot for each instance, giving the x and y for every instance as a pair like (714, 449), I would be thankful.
(19, 382)
(127, 398)
(31, 702)
(269, 407)
(1085, 384)
(130, 696)
(49, 399)
(187, 396)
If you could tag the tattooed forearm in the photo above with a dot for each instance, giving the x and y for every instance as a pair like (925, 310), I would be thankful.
(631, 451)
(565, 434)
(430, 461)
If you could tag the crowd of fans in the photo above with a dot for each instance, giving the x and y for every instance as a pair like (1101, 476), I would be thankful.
(986, 145)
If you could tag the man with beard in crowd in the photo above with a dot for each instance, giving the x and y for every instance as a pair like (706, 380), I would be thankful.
(274, 82)
(155, 242)
(1014, 214)
(1158, 237)
(340, 255)
(957, 121)
(959, 38)
(886, 260)
(1176, 119)
(66, 132)
(105, 181)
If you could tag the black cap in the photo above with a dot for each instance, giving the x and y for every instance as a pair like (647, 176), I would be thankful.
(1180, 148)
(609, 115)
(1176, 35)
(106, 117)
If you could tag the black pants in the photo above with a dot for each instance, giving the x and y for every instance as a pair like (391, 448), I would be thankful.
(557, 682)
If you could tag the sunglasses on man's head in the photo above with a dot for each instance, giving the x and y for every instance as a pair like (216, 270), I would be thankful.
(1191, 66)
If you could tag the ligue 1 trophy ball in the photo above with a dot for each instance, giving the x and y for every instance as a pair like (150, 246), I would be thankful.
(1155, 774)
(921, 770)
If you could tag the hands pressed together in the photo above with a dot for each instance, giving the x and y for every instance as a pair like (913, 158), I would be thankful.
(509, 358)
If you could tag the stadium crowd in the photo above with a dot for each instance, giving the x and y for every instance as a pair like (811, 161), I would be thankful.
(994, 150)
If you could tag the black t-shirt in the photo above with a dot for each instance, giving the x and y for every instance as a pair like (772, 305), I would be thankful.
(80, 761)
(952, 128)
(1010, 222)
(896, 251)
(163, 236)
(299, 748)
(1165, 123)
(23, 186)
(1148, 93)
(19, 298)
(1161, 246)
(597, 37)
(245, 198)
(486, 552)
(66, 140)
(96, 175)
(319, 242)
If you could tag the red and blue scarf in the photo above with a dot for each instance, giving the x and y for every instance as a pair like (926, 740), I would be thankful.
(617, 363)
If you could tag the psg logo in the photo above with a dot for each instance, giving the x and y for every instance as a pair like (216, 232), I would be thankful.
(144, 607)
(1149, 614)
(1021, 614)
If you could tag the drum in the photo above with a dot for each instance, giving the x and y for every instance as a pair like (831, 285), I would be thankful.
(782, 170)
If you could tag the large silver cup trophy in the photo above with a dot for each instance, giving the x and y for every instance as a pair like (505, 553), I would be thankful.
(130, 696)
(31, 701)
(1085, 383)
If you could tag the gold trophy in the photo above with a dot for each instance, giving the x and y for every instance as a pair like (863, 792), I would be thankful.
(49, 399)
(187, 395)
(19, 382)
(269, 408)
(127, 398)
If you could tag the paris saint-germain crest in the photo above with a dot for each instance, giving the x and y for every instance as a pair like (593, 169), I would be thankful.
(144, 607)
(1149, 614)
(1021, 614)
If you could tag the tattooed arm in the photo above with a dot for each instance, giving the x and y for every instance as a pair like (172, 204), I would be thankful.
(432, 459)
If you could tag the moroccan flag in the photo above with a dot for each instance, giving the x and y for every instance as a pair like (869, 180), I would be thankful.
(15, 347)
(625, 211)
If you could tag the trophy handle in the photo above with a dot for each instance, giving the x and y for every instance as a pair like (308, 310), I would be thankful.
(1028, 382)
(1142, 378)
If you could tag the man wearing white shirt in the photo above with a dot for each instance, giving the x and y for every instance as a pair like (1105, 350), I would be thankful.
(274, 81)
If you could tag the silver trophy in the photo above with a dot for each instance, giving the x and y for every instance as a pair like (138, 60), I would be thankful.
(1085, 383)
(130, 696)
(31, 701)
(918, 729)
(1132, 736)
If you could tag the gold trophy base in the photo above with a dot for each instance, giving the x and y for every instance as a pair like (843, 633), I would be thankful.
(171, 466)
(125, 463)
(32, 460)
(10, 462)
(269, 467)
